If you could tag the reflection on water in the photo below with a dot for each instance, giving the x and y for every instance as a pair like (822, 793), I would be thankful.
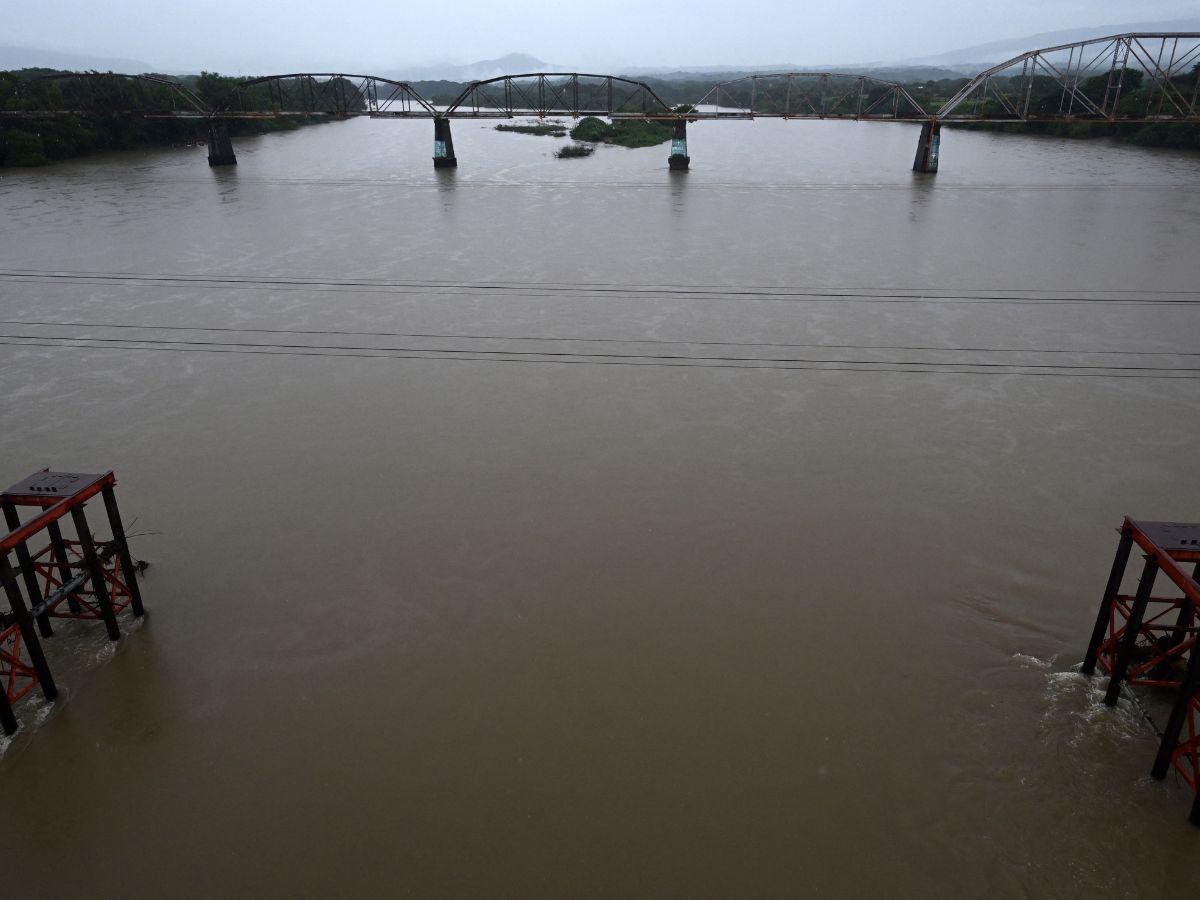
(620, 612)
(678, 183)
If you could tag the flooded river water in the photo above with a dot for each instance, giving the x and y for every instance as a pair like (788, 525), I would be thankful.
(672, 566)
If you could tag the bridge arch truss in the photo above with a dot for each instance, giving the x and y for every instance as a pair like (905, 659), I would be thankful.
(1136, 77)
(559, 94)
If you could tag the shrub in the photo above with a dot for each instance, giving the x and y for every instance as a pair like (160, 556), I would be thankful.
(591, 129)
(571, 151)
(21, 148)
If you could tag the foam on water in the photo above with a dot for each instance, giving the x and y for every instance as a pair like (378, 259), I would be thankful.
(1078, 700)
(1032, 662)
(32, 714)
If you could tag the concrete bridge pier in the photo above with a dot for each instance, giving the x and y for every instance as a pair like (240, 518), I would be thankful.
(679, 159)
(443, 144)
(928, 147)
(220, 147)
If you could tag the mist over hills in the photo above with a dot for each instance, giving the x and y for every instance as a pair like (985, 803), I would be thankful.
(510, 64)
(14, 56)
(947, 64)
(970, 60)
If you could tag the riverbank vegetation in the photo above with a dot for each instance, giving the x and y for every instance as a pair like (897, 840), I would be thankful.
(1176, 136)
(40, 142)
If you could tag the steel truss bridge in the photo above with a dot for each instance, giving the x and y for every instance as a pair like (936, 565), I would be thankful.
(1125, 78)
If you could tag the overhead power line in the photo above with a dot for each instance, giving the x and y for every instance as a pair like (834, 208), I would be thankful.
(610, 290)
(433, 335)
(893, 366)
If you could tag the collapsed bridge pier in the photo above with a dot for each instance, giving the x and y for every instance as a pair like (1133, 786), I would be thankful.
(928, 148)
(220, 147)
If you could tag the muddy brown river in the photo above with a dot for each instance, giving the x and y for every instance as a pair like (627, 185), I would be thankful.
(602, 531)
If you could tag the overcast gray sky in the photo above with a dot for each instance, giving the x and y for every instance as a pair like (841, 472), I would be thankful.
(244, 36)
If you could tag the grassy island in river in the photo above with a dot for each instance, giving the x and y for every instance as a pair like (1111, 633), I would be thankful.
(625, 132)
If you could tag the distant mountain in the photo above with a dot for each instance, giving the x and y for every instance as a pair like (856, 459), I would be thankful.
(17, 57)
(677, 71)
(729, 73)
(970, 60)
(512, 64)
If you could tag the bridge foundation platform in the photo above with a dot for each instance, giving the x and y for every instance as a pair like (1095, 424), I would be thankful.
(443, 145)
(678, 160)
(928, 146)
(82, 578)
(220, 147)
(1152, 641)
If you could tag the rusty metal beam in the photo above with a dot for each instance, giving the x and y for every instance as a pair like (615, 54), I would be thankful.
(54, 508)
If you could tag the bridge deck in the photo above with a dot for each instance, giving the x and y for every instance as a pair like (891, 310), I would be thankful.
(657, 117)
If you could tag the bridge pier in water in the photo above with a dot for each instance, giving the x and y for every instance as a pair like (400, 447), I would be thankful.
(928, 146)
(443, 145)
(220, 147)
(679, 159)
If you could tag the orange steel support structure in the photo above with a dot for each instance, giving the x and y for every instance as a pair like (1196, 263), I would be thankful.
(1143, 639)
(80, 578)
